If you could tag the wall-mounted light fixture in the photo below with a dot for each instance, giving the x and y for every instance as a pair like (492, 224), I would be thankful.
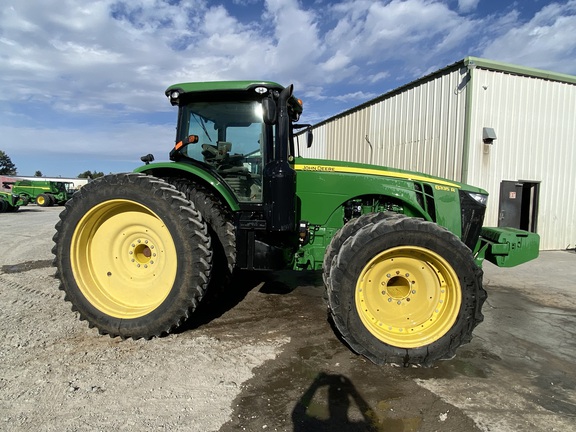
(488, 135)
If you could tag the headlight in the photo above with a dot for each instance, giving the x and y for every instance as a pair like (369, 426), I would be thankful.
(479, 198)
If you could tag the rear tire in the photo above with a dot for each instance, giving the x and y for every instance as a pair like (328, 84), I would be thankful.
(133, 255)
(405, 291)
(221, 230)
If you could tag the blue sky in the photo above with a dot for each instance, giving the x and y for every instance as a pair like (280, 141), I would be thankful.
(82, 82)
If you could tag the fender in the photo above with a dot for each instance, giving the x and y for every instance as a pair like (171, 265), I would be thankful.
(179, 169)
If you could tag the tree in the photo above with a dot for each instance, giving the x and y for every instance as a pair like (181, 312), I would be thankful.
(38, 174)
(90, 174)
(6, 165)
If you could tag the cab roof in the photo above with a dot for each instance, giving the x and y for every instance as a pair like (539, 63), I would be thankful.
(258, 87)
(196, 87)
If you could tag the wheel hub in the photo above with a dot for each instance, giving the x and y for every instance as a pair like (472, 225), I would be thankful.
(408, 295)
(398, 287)
(142, 253)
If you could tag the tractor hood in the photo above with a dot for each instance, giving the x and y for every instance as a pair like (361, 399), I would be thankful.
(323, 165)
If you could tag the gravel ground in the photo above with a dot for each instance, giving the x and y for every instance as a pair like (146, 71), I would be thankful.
(58, 375)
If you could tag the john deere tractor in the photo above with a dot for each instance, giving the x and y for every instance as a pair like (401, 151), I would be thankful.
(400, 252)
(10, 202)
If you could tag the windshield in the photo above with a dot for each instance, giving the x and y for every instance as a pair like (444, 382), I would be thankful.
(64, 186)
(230, 136)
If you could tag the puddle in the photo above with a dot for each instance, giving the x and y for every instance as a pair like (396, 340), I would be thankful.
(26, 266)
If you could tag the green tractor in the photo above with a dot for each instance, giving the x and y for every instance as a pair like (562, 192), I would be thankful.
(45, 193)
(400, 252)
(10, 202)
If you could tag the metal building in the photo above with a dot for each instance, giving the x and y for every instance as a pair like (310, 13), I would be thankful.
(508, 129)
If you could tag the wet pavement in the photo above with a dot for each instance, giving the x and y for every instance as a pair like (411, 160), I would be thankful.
(517, 374)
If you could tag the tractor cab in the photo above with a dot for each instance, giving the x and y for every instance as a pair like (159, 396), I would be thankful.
(235, 129)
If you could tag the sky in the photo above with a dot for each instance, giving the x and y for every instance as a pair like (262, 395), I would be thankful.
(82, 81)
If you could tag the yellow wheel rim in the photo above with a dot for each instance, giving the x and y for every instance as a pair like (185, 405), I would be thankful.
(408, 296)
(41, 200)
(123, 258)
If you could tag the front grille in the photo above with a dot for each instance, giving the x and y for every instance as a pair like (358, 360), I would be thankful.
(472, 214)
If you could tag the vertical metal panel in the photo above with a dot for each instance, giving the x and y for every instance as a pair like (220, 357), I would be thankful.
(419, 129)
(318, 149)
(535, 124)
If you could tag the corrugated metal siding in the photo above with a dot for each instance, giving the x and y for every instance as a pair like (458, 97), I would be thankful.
(535, 124)
(419, 129)
(318, 149)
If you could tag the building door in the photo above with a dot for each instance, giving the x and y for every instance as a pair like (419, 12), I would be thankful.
(519, 204)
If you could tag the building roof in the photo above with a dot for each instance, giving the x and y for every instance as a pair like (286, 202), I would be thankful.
(517, 70)
(467, 62)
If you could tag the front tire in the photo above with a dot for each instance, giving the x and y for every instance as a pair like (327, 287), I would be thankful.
(133, 255)
(348, 230)
(405, 291)
(44, 200)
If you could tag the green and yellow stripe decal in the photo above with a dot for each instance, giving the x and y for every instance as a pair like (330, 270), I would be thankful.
(376, 172)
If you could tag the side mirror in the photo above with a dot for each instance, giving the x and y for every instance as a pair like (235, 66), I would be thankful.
(309, 134)
(309, 138)
(147, 158)
(269, 111)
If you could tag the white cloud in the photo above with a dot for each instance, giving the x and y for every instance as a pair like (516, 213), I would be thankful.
(378, 76)
(410, 31)
(337, 62)
(296, 42)
(466, 6)
(356, 96)
(546, 41)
